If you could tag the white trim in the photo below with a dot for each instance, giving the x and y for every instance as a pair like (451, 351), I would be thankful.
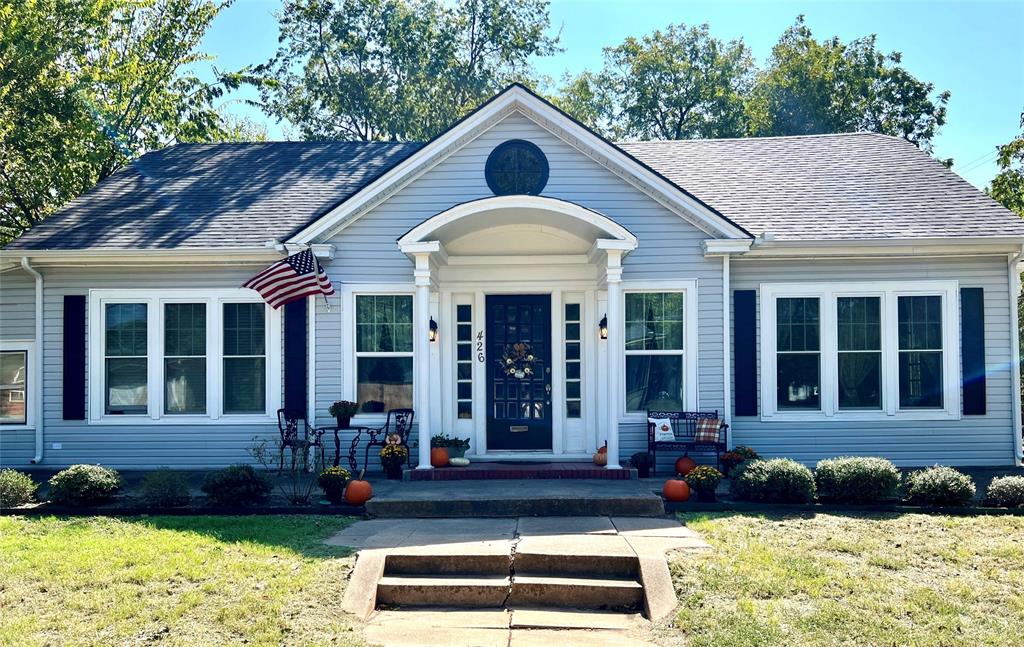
(888, 292)
(690, 352)
(715, 247)
(514, 98)
(311, 360)
(27, 346)
(1013, 278)
(154, 300)
(888, 247)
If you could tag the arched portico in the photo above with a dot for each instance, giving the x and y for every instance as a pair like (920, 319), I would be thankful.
(506, 250)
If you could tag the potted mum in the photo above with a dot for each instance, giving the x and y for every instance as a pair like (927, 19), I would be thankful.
(342, 411)
(456, 446)
(703, 480)
(392, 458)
(332, 481)
(740, 454)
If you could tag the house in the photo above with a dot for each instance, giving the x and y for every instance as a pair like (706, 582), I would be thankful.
(827, 295)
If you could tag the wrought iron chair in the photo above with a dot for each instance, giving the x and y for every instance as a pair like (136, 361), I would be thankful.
(298, 435)
(399, 422)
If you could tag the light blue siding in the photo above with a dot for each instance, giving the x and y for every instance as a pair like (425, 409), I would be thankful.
(17, 305)
(973, 440)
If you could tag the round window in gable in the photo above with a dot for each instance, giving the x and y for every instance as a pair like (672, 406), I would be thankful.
(516, 167)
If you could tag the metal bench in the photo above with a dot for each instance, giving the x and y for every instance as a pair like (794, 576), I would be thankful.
(684, 429)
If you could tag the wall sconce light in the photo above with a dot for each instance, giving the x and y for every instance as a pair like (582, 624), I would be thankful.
(432, 335)
(602, 327)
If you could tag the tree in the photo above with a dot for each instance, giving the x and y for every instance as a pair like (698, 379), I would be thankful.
(1008, 185)
(812, 87)
(88, 85)
(673, 84)
(395, 69)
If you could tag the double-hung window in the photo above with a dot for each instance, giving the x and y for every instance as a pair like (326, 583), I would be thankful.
(860, 350)
(659, 342)
(200, 355)
(384, 340)
(14, 383)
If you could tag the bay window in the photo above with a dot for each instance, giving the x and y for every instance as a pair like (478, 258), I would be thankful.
(383, 349)
(171, 355)
(655, 349)
(865, 350)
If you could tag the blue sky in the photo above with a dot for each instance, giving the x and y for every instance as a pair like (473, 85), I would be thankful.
(973, 49)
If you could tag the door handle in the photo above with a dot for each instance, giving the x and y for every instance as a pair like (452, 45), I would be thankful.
(547, 387)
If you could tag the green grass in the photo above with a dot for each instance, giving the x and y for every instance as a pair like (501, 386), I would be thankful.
(851, 580)
(173, 580)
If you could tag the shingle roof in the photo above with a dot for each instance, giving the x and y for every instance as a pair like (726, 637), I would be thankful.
(827, 187)
(850, 186)
(215, 195)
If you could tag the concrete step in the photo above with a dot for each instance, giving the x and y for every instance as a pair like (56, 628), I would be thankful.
(530, 618)
(614, 506)
(466, 559)
(618, 594)
(452, 591)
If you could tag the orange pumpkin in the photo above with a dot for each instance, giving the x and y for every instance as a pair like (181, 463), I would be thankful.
(685, 465)
(358, 491)
(604, 449)
(601, 459)
(676, 490)
(438, 456)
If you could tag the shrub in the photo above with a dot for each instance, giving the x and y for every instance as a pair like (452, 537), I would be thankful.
(779, 480)
(16, 488)
(164, 488)
(857, 479)
(84, 485)
(940, 486)
(1006, 492)
(236, 485)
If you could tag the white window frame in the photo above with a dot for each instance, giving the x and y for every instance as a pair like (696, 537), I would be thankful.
(29, 348)
(689, 352)
(155, 300)
(348, 337)
(889, 293)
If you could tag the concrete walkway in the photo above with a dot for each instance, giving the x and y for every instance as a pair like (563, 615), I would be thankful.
(551, 540)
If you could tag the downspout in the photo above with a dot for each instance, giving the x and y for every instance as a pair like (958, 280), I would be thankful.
(37, 360)
(726, 346)
(1013, 270)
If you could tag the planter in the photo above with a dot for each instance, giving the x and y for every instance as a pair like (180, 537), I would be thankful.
(706, 497)
(335, 495)
(344, 422)
(393, 471)
(456, 452)
(643, 471)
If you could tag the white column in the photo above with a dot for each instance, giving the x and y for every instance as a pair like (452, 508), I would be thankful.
(613, 278)
(421, 357)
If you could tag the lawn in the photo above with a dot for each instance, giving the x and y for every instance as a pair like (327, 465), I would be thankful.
(173, 580)
(851, 580)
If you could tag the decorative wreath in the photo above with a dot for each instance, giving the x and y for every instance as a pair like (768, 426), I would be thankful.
(518, 360)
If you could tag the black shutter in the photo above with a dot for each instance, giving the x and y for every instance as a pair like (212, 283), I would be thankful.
(744, 334)
(295, 364)
(74, 357)
(972, 349)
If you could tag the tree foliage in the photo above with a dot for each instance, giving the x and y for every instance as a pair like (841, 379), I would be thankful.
(88, 85)
(811, 87)
(1008, 185)
(673, 84)
(395, 69)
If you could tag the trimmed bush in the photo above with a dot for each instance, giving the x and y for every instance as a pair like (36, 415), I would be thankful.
(164, 488)
(857, 479)
(1006, 492)
(83, 485)
(236, 485)
(779, 480)
(940, 486)
(16, 488)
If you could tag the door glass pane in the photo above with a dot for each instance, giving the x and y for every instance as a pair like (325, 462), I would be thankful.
(13, 380)
(654, 382)
(798, 381)
(126, 385)
(384, 382)
(245, 385)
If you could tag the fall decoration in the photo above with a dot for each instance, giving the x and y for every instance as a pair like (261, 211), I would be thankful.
(676, 490)
(685, 465)
(601, 458)
(342, 411)
(438, 456)
(358, 491)
(458, 461)
(604, 448)
(704, 480)
(332, 481)
(518, 360)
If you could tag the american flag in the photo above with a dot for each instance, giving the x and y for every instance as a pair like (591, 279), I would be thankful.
(297, 276)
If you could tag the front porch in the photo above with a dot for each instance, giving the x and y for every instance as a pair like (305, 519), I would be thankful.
(529, 470)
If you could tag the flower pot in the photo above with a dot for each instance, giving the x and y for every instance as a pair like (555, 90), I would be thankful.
(643, 471)
(456, 452)
(335, 494)
(393, 471)
(344, 422)
(706, 497)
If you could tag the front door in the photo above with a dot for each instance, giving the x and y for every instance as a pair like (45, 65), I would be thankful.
(519, 372)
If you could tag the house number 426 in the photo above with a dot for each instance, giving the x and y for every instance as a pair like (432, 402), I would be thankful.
(480, 346)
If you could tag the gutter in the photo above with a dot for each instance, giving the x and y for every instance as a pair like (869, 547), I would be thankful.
(1013, 270)
(37, 360)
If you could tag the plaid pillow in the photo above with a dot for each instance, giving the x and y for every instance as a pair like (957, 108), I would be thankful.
(707, 430)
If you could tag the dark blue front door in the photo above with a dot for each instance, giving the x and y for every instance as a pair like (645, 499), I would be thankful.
(519, 372)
